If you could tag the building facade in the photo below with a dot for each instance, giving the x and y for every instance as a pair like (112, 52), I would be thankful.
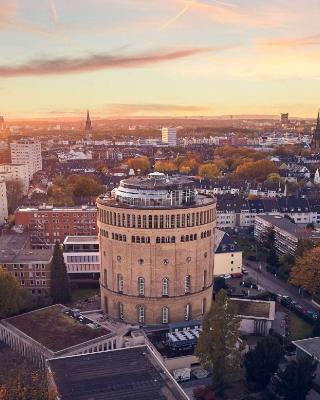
(3, 202)
(169, 136)
(16, 172)
(156, 250)
(82, 259)
(227, 255)
(32, 268)
(48, 224)
(28, 152)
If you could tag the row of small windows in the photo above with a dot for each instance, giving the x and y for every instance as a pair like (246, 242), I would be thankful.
(164, 312)
(159, 239)
(165, 284)
(156, 221)
(205, 234)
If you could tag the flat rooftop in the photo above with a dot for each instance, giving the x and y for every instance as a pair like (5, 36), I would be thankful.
(81, 240)
(15, 248)
(49, 208)
(125, 374)
(53, 329)
(254, 308)
(310, 346)
(285, 224)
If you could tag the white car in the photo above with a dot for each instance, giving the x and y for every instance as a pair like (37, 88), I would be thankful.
(226, 276)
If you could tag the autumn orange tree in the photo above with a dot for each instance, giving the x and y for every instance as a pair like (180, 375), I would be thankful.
(165, 166)
(141, 163)
(306, 271)
(208, 170)
(258, 170)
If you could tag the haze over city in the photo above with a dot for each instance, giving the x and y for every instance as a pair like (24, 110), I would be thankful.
(154, 58)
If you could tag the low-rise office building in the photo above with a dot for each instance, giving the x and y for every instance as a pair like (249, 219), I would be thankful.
(16, 172)
(31, 267)
(82, 259)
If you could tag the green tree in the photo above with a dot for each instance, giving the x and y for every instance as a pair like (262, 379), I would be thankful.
(12, 296)
(59, 289)
(218, 345)
(295, 382)
(262, 362)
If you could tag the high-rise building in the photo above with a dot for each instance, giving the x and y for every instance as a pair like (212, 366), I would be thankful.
(2, 124)
(88, 127)
(28, 152)
(315, 142)
(284, 118)
(169, 136)
(156, 250)
(3, 202)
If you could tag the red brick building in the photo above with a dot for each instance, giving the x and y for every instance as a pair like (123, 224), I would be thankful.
(48, 224)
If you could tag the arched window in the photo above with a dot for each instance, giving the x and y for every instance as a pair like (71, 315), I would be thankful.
(186, 312)
(165, 287)
(158, 239)
(141, 286)
(141, 314)
(105, 278)
(165, 315)
(120, 283)
(204, 306)
(204, 278)
(187, 284)
(121, 311)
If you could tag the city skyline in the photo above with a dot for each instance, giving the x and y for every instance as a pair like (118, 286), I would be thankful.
(151, 58)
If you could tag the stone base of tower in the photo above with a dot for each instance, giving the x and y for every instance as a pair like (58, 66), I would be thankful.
(118, 305)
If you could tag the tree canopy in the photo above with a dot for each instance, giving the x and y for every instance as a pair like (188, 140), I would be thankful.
(258, 170)
(218, 345)
(59, 289)
(208, 170)
(262, 362)
(295, 382)
(165, 166)
(12, 296)
(306, 271)
(141, 163)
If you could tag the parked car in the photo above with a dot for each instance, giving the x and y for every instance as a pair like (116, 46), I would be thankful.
(182, 374)
(226, 276)
(244, 271)
(237, 275)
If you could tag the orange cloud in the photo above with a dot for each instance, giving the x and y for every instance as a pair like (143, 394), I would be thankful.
(96, 62)
(292, 42)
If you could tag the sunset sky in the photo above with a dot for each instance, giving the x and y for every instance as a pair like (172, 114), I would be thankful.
(159, 57)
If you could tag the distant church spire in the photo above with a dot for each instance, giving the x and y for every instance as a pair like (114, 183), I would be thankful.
(315, 143)
(88, 128)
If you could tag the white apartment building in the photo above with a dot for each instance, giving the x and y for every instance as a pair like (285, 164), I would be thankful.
(82, 259)
(3, 201)
(17, 172)
(28, 152)
(169, 136)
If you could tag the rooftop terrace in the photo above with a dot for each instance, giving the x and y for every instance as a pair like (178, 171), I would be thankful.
(54, 329)
(254, 308)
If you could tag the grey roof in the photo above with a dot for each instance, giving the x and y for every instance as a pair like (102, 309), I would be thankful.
(15, 248)
(298, 230)
(224, 243)
(124, 374)
(310, 346)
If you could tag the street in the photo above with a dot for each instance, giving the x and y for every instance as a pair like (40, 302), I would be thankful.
(273, 284)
